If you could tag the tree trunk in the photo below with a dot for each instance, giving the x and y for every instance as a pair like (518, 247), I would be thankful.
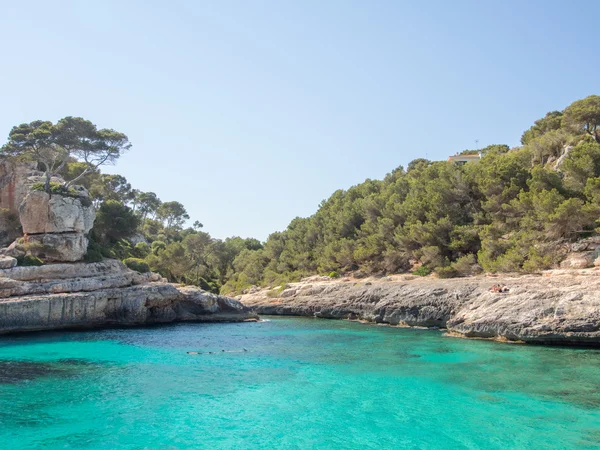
(81, 175)
(47, 175)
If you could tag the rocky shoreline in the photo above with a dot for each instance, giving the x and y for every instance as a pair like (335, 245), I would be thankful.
(104, 294)
(554, 308)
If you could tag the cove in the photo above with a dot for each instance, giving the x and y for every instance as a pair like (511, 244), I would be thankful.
(302, 383)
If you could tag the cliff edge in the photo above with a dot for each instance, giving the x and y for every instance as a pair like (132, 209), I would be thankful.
(80, 295)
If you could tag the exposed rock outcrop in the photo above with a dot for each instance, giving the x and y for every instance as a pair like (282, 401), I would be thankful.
(56, 226)
(41, 212)
(102, 294)
(7, 262)
(558, 308)
(57, 246)
(14, 185)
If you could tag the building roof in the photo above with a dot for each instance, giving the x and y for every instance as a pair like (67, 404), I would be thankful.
(465, 158)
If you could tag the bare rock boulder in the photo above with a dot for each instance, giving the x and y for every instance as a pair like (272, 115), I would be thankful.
(66, 247)
(7, 262)
(41, 212)
(578, 260)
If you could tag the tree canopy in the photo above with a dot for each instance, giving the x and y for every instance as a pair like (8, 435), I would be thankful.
(53, 145)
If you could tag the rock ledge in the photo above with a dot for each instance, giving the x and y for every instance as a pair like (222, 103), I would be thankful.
(556, 308)
(103, 294)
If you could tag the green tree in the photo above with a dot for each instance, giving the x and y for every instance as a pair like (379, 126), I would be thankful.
(172, 214)
(53, 146)
(551, 121)
(147, 204)
(114, 221)
(584, 116)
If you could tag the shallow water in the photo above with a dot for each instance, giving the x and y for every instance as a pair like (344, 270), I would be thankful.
(303, 383)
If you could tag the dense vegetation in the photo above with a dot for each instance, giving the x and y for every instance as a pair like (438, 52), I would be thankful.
(510, 211)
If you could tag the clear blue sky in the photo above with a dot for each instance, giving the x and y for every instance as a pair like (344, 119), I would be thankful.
(252, 112)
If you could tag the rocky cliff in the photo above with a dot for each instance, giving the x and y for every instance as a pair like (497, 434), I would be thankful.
(56, 226)
(107, 293)
(558, 307)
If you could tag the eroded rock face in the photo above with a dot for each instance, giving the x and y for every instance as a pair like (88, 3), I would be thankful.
(56, 226)
(64, 247)
(103, 294)
(560, 309)
(13, 183)
(42, 213)
(578, 260)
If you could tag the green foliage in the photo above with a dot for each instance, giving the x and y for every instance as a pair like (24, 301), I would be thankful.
(334, 274)
(446, 272)
(29, 260)
(157, 247)
(276, 292)
(137, 264)
(581, 163)
(93, 256)
(114, 222)
(422, 271)
(54, 145)
(466, 266)
(513, 210)
(172, 214)
(584, 116)
(552, 121)
(141, 249)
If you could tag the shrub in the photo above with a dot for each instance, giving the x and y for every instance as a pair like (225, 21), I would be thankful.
(114, 222)
(121, 249)
(157, 246)
(137, 264)
(446, 272)
(422, 271)
(334, 274)
(275, 292)
(466, 266)
(29, 260)
(93, 256)
(141, 249)
(431, 256)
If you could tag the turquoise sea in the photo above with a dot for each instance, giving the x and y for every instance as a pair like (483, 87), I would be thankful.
(301, 384)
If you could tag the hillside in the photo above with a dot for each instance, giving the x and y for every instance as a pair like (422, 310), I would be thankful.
(514, 210)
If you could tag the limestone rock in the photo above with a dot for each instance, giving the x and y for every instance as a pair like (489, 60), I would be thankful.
(102, 294)
(13, 183)
(14, 249)
(578, 260)
(136, 239)
(57, 246)
(41, 213)
(7, 262)
(558, 309)
(64, 271)
(37, 177)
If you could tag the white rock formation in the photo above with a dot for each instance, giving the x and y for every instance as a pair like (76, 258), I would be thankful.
(42, 213)
(56, 226)
(103, 294)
